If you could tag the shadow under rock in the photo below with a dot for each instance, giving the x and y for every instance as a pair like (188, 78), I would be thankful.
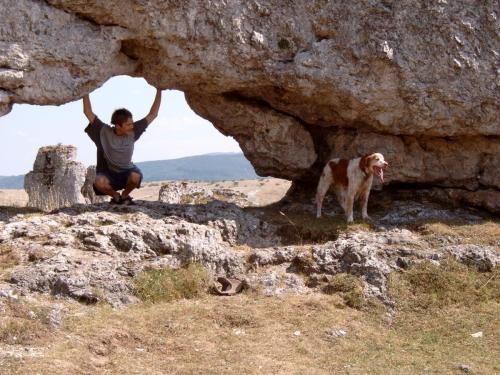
(8, 212)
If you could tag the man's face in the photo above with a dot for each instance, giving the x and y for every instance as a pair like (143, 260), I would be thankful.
(126, 128)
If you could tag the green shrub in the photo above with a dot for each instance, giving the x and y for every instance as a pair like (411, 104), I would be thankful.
(284, 44)
(168, 284)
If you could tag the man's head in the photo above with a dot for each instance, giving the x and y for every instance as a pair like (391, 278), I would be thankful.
(122, 120)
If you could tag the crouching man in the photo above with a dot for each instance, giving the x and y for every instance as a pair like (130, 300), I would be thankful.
(115, 146)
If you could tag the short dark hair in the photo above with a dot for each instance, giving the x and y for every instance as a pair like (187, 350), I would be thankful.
(119, 116)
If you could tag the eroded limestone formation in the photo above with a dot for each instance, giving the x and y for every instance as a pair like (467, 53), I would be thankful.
(293, 82)
(88, 189)
(56, 179)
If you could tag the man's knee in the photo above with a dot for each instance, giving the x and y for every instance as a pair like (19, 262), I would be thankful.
(101, 182)
(134, 178)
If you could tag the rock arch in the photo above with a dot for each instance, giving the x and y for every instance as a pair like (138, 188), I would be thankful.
(293, 82)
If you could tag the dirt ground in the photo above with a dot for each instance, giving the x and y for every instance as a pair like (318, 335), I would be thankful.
(260, 192)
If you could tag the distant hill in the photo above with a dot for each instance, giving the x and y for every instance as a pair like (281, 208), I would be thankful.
(12, 182)
(208, 167)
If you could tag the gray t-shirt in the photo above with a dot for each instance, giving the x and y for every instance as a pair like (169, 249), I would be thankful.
(118, 149)
(114, 152)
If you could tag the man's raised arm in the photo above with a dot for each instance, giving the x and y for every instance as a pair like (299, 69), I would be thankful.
(87, 109)
(153, 113)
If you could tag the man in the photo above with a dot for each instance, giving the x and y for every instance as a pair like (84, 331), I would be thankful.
(115, 146)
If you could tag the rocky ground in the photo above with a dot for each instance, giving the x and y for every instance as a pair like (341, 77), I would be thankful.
(93, 253)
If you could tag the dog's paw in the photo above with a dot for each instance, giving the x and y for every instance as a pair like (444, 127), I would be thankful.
(367, 218)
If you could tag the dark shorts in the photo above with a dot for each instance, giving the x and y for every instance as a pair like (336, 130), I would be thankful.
(118, 180)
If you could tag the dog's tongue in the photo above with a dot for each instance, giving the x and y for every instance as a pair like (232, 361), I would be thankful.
(380, 173)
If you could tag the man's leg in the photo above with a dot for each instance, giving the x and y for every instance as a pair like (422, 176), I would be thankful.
(133, 181)
(103, 185)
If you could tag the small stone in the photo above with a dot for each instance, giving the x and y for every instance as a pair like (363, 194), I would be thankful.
(8, 294)
(465, 368)
(335, 333)
(297, 333)
(238, 332)
(258, 38)
(387, 50)
(477, 334)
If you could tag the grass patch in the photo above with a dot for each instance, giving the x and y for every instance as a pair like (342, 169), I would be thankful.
(23, 324)
(487, 233)
(8, 257)
(250, 334)
(21, 331)
(284, 43)
(428, 285)
(350, 288)
(168, 284)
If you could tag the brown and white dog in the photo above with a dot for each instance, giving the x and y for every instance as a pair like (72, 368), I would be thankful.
(351, 179)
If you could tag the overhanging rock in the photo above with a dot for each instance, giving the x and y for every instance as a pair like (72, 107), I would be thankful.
(422, 76)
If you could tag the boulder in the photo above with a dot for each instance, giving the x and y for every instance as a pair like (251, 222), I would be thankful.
(182, 192)
(56, 179)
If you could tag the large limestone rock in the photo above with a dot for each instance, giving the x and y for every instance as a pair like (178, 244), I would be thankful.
(183, 192)
(293, 82)
(56, 179)
(89, 253)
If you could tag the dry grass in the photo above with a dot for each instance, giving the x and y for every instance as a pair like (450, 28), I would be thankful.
(23, 323)
(429, 286)
(249, 334)
(349, 287)
(167, 284)
(487, 233)
(8, 257)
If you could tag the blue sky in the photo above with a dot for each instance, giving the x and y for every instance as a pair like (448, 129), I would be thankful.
(176, 132)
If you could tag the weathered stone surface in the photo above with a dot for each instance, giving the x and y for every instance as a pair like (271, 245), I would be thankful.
(182, 192)
(88, 190)
(262, 133)
(92, 252)
(417, 80)
(56, 179)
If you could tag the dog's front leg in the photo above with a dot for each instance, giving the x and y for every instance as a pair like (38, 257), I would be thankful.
(365, 193)
(348, 207)
(364, 205)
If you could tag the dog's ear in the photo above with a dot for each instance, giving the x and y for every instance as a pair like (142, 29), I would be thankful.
(364, 163)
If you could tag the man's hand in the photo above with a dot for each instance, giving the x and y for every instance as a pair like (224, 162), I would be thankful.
(153, 113)
(87, 109)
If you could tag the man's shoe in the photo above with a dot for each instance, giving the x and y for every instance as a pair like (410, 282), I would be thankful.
(116, 201)
(127, 201)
